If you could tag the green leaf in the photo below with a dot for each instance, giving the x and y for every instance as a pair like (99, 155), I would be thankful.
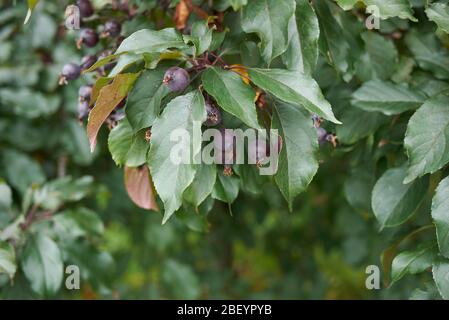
(202, 184)
(53, 194)
(358, 124)
(428, 53)
(76, 142)
(382, 53)
(332, 44)
(148, 41)
(347, 4)
(440, 273)
(171, 179)
(412, 262)
(303, 35)
(226, 188)
(42, 264)
(31, 5)
(295, 88)
(232, 94)
(126, 147)
(7, 260)
(426, 140)
(5, 197)
(269, 19)
(78, 222)
(22, 171)
(29, 104)
(386, 97)
(298, 162)
(358, 187)
(201, 37)
(394, 202)
(144, 101)
(222, 5)
(439, 13)
(440, 215)
(393, 8)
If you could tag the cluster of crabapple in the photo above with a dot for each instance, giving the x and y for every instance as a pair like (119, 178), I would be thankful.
(89, 37)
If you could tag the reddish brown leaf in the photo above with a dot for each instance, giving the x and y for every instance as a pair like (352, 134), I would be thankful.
(99, 84)
(140, 187)
(182, 14)
(110, 96)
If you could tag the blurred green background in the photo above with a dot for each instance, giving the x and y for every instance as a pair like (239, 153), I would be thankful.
(261, 251)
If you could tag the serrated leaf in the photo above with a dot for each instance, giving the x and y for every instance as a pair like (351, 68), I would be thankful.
(144, 101)
(202, 184)
(295, 88)
(171, 179)
(358, 187)
(5, 197)
(22, 170)
(439, 13)
(139, 185)
(393, 8)
(382, 53)
(7, 260)
(426, 140)
(231, 94)
(334, 47)
(412, 262)
(66, 189)
(110, 96)
(428, 53)
(147, 41)
(127, 147)
(358, 124)
(78, 223)
(394, 202)
(440, 215)
(303, 35)
(269, 19)
(42, 264)
(440, 273)
(347, 4)
(386, 97)
(201, 37)
(298, 162)
(226, 188)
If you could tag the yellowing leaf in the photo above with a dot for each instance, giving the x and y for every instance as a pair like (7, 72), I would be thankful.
(241, 70)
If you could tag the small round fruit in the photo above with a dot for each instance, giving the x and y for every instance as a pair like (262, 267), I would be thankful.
(83, 110)
(213, 115)
(85, 93)
(71, 71)
(322, 134)
(112, 28)
(88, 37)
(88, 61)
(177, 79)
(86, 8)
